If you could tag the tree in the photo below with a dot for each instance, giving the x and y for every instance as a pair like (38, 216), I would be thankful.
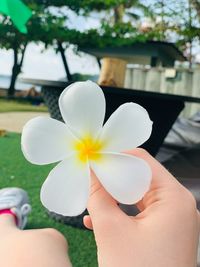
(11, 39)
(173, 21)
(42, 27)
(118, 27)
(122, 26)
(176, 21)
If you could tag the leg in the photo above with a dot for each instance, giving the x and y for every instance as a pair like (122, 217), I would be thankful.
(18, 248)
(22, 248)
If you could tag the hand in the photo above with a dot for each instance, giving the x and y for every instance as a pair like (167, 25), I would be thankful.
(164, 234)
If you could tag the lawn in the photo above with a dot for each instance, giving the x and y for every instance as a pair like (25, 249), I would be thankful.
(16, 171)
(19, 105)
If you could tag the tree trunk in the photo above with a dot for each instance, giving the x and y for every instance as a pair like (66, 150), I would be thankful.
(190, 39)
(119, 13)
(113, 72)
(15, 73)
(62, 52)
(16, 70)
(196, 5)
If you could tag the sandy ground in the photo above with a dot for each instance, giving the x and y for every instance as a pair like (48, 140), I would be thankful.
(14, 121)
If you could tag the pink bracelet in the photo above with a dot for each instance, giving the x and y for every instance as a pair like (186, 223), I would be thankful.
(8, 211)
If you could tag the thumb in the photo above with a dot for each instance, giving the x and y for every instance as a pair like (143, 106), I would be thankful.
(101, 206)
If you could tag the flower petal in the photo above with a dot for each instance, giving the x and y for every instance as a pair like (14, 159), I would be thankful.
(125, 177)
(66, 189)
(82, 106)
(128, 127)
(45, 140)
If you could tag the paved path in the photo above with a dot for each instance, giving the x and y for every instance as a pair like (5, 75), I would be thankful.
(14, 121)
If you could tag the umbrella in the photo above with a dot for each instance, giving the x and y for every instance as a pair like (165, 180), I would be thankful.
(17, 11)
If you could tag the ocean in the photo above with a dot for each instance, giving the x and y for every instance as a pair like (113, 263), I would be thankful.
(5, 82)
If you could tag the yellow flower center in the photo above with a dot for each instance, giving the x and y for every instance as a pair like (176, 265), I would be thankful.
(88, 149)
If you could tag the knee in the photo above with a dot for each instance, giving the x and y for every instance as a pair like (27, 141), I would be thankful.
(54, 235)
(49, 236)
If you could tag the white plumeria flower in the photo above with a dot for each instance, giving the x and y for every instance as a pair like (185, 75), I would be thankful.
(81, 143)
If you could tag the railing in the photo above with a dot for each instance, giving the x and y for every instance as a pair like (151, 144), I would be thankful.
(173, 81)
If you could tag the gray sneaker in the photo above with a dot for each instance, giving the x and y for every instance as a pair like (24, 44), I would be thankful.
(16, 199)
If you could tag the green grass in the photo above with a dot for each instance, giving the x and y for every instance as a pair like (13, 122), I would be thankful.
(16, 171)
(19, 105)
